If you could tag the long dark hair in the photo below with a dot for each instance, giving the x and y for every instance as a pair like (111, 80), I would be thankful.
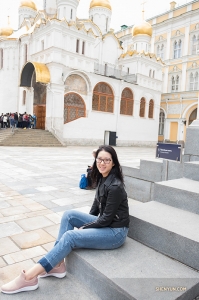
(96, 175)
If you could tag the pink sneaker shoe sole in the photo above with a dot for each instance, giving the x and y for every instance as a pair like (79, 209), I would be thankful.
(24, 289)
(58, 275)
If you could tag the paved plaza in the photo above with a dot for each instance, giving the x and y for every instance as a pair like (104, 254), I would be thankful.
(36, 186)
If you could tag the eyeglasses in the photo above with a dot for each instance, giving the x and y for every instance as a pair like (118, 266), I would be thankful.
(105, 160)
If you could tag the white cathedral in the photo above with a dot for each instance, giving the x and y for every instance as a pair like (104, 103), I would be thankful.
(77, 77)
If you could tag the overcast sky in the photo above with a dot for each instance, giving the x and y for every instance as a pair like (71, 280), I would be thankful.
(124, 12)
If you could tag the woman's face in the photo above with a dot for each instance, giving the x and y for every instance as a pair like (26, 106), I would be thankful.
(104, 163)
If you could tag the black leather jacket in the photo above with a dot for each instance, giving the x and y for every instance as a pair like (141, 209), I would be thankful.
(111, 205)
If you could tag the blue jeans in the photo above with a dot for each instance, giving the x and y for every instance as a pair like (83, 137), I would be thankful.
(92, 238)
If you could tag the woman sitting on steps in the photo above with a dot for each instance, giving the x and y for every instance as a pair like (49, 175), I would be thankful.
(105, 227)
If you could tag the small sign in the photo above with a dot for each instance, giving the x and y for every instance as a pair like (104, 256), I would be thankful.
(169, 151)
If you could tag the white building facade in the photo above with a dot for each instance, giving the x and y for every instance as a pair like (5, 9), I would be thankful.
(83, 85)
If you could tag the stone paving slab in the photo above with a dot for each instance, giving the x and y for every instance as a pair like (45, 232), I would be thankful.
(32, 238)
(43, 175)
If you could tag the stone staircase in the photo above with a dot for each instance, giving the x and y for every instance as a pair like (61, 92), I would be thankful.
(28, 138)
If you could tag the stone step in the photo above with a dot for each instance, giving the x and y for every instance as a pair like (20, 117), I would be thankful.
(191, 170)
(29, 138)
(133, 271)
(54, 289)
(169, 230)
(182, 193)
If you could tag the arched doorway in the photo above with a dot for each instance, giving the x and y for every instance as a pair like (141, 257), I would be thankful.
(37, 75)
(74, 107)
(193, 116)
(39, 102)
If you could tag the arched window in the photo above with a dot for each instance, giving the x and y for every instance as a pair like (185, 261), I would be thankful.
(150, 72)
(172, 84)
(142, 107)
(161, 123)
(74, 107)
(103, 99)
(177, 83)
(126, 105)
(160, 51)
(25, 53)
(1, 58)
(196, 81)
(151, 109)
(177, 49)
(153, 73)
(24, 98)
(193, 85)
(195, 45)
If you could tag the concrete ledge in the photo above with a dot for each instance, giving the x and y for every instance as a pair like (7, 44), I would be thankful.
(191, 170)
(131, 172)
(132, 272)
(166, 229)
(151, 170)
(138, 189)
(181, 193)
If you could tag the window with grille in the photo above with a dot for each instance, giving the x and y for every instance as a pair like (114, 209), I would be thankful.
(126, 105)
(161, 123)
(151, 109)
(1, 59)
(142, 107)
(103, 98)
(74, 107)
(24, 98)
(193, 85)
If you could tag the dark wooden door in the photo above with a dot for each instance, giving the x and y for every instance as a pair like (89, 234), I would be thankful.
(40, 112)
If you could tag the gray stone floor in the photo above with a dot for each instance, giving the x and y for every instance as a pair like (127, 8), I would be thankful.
(36, 186)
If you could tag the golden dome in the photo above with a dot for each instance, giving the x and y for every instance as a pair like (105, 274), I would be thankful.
(6, 31)
(29, 4)
(142, 28)
(103, 3)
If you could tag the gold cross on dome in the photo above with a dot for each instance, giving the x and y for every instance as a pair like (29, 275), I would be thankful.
(142, 3)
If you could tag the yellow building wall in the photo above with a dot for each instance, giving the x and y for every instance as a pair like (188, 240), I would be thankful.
(173, 32)
(164, 35)
(162, 18)
(173, 131)
(179, 12)
(160, 138)
(195, 5)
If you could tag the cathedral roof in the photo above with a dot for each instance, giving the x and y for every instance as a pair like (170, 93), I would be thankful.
(142, 28)
(29, 4)
(102, 3)
(6, 31)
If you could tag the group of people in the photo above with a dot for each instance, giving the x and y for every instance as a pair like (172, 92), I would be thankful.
(105, 227)
(12, 120)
